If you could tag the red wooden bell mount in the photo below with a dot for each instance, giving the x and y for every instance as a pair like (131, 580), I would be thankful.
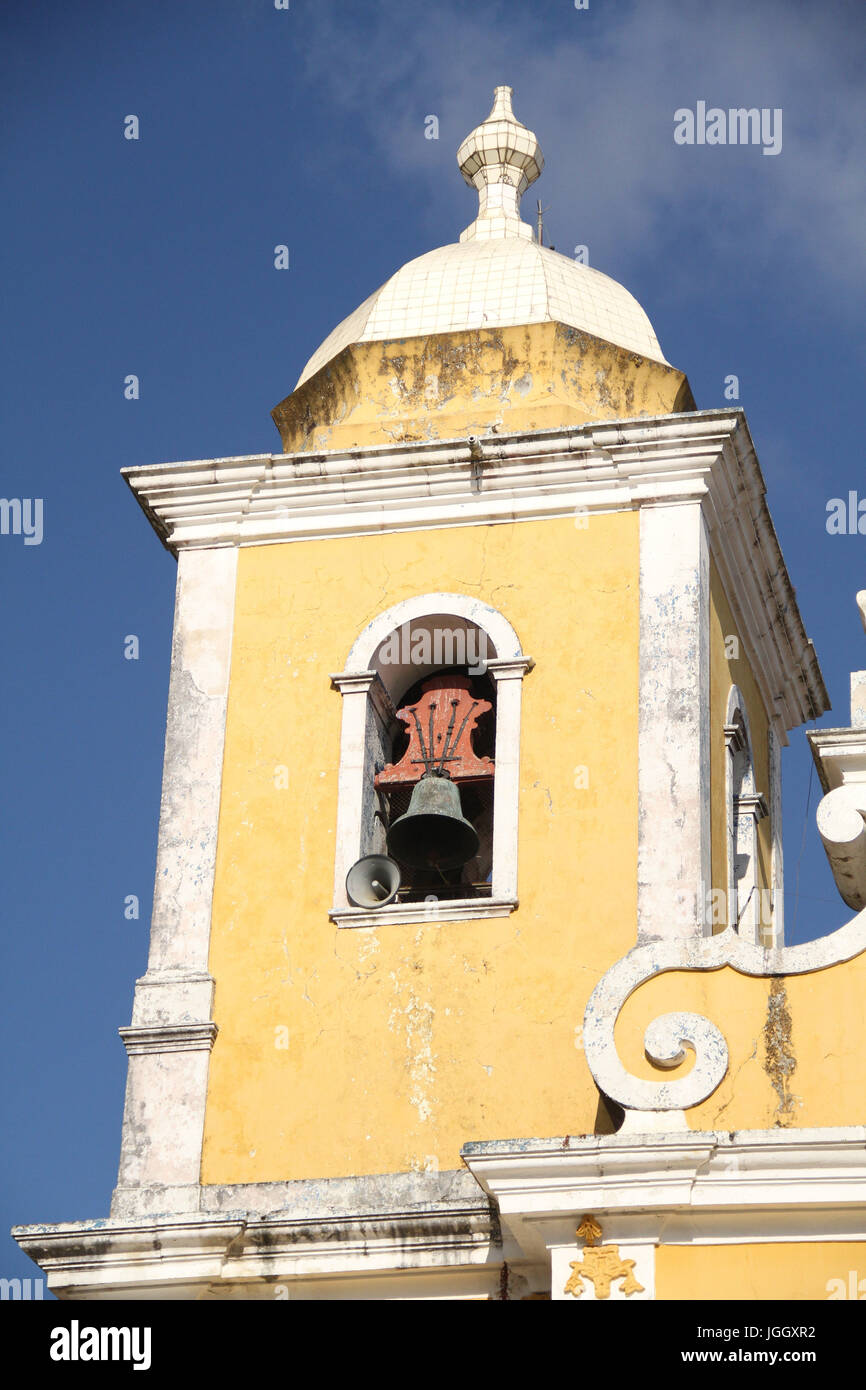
(440, 726)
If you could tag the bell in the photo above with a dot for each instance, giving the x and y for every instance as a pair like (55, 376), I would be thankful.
(433, 834)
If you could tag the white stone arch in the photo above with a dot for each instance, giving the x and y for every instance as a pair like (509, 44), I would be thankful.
(472, 610)
(745, 806)
(368, 710)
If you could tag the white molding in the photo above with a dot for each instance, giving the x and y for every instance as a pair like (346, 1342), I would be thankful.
(473, 610)
(667, 1035)
(425, 1250)
(443, 910)
(508, 673)
(701, 1187)
(673, 723)
(352, 776)
(706, 456)
(743, 811)
(169, 1037)
(840, 757)
(841, 820)
(172, 1031)
(777, 861)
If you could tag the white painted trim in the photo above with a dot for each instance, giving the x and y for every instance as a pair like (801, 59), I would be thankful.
(841, 820)
(448, 910)
(777, 860)
(172, 1032)
(170, 1037)
(742, 814)
(502, 635)
(706, 456)
(695, 1188)
(440, 1250)
(759, 592)
(354, 688)
(673, 730)
(508, 673)
(667, 1035)
(840, 757)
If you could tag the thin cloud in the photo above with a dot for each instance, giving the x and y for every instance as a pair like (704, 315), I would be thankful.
(603, 107)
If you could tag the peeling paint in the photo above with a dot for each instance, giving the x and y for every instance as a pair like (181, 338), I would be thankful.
(475, 382)
(780, 1062)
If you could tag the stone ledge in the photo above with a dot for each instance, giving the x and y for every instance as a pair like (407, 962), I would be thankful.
(169, 1037)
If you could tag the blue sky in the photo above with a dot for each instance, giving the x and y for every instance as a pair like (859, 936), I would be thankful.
(155, 257)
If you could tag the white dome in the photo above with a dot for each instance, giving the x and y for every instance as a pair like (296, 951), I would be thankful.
(496, 276)
(493, 283)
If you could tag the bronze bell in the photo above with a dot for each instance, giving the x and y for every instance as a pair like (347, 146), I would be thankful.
(433, 834)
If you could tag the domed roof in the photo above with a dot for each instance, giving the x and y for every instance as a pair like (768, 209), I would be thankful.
(496, 276)
(493, 284)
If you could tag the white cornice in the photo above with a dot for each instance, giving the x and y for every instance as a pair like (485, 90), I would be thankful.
(691, 1188)
(696, 1187)
(142, 1258)
(840, 756)
(707, 456)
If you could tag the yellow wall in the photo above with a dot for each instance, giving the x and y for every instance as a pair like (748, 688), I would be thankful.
(450, 385)
(726, 671)
(773, 1271)
(406, 1042)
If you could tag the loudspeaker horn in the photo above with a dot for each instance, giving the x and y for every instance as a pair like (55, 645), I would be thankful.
(373, 881)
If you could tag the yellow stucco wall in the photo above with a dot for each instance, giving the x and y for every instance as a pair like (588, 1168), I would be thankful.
(779, 1270)
(406, 1042)
(727, 670)
(450, 385)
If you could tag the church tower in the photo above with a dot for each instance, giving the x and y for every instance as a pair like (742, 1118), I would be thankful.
(471, 825)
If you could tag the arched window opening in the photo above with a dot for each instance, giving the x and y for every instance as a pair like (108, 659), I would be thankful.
(431, 719)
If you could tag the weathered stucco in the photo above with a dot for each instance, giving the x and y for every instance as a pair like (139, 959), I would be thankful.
(402, 1041)
(491, 380)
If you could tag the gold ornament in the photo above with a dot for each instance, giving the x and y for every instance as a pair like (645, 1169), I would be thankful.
(601, 1264)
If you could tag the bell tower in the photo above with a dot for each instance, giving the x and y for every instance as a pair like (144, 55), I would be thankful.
(477, 702)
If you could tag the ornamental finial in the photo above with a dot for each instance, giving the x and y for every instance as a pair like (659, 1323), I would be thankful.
(500, 158)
